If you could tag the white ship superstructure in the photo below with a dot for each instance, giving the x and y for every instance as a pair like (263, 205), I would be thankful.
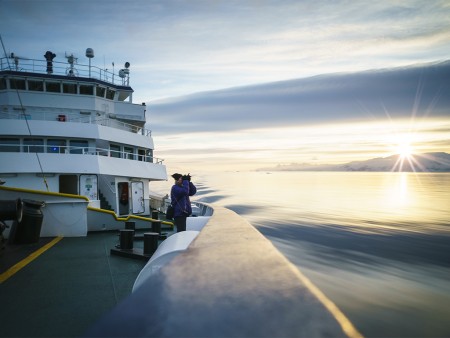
(73, 129)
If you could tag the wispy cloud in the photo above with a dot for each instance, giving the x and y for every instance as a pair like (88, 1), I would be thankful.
(325, 119)
(420, 91)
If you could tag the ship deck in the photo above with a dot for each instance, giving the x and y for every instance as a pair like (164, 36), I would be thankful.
(59, 287)
(231, 282)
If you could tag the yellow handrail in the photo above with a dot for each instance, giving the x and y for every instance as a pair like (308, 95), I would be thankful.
(42, 192)
(87, 200)
(124, 219)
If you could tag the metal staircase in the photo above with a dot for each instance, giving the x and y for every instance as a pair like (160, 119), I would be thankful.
(104, 204)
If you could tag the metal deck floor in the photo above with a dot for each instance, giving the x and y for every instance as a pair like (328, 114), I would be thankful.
(67, 288)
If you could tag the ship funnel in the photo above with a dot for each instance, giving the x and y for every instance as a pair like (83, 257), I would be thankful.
(49, 56)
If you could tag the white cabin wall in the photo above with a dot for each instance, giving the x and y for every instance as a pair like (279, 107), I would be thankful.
(31, 181)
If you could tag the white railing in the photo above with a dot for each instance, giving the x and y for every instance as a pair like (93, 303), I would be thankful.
(51, 149)
(21, 64)
(77, 118)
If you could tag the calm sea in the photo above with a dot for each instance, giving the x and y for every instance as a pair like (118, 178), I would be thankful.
(377, 244)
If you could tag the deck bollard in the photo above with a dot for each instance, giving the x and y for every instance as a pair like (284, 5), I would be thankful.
(155, 214)
(28, 230)
(150, 242)
(126, 239)
(130, 225)
(156, 227)
(11, 210)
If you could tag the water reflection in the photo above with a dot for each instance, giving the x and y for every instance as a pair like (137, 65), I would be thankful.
(377, 244)
(381, 282)
(342, 244)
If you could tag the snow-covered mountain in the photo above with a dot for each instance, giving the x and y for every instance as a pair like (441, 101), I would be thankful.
(428, 162)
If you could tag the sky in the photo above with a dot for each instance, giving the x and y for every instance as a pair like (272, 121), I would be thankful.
(239, 85)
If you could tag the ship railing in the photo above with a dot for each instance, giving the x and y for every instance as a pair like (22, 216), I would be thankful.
(90, 118)
(53, 149)
(21, 64)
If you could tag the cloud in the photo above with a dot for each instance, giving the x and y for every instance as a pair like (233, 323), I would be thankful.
(416, 91)
(179, 47)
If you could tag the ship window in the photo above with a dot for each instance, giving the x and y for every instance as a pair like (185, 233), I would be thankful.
(37, 86)
(56, 146)
(33, 145)
(9, 145)
(141, 155)
(114, 150)
(53, 87)
(2, 84)
(17, 84)
(100, 91)
(86, 90)
(69, 88)
(129, 153)
(78, 146)
(110, 94)
(149, 155)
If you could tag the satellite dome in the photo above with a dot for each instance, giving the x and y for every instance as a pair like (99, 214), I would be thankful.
(89, 53)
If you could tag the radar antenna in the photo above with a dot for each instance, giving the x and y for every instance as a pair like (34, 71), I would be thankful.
(71, 70)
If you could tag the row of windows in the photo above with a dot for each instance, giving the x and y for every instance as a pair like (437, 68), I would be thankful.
(38, 145)
(130, 153)
(56, 87)
(61, 146)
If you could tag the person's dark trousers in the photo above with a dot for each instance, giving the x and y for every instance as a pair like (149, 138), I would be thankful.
(180, 223)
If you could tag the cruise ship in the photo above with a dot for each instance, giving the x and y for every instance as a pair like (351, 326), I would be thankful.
(71, 136)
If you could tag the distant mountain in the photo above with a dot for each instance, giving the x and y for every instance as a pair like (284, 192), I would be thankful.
(428, 162)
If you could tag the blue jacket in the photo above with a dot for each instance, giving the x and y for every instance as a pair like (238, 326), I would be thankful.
(180, 201)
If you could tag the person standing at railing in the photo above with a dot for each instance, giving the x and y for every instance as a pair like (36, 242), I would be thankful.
(179, 194)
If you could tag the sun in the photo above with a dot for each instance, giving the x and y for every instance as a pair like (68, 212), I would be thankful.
(404, 149)
(405, 160)
(403, 146)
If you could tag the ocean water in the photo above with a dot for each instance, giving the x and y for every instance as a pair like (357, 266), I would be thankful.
(377, 244)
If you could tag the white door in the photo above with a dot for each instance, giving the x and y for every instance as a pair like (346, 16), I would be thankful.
(88, 186)
(137, 197)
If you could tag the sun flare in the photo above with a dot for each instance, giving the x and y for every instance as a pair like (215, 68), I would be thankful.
(405, 150)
